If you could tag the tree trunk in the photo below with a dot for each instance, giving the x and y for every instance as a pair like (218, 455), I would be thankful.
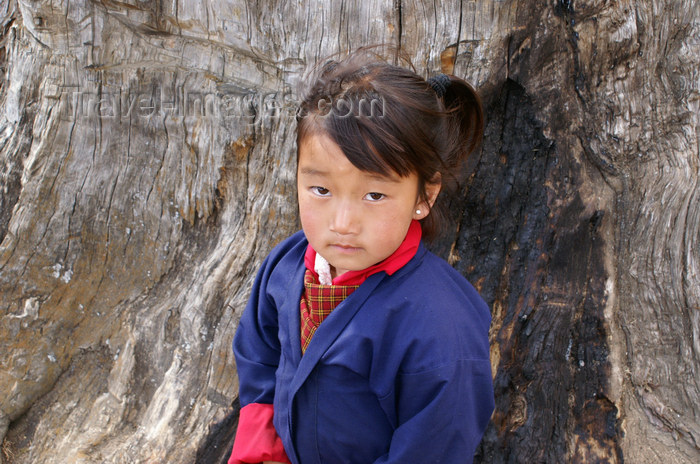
(147, 157)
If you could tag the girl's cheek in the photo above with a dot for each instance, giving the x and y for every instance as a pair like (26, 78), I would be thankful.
(309, 215)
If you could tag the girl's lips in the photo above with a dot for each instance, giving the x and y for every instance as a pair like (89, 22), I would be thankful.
(343, 248)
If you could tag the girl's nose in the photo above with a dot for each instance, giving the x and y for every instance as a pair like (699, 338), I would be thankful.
(345, 220)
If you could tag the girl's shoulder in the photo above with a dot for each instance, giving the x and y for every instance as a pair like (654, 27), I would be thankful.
(433, 314)
(430, 276)
(290, 249)
(428, 282)
(283, 262)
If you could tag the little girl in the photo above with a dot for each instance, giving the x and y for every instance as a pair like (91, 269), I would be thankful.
(358, 345)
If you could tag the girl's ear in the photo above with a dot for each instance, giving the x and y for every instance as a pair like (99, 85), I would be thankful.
(432, 190)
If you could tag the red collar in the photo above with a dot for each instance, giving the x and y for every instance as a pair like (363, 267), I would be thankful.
(393, 263)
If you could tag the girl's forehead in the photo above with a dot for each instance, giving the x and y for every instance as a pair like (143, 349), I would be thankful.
(320, 155)
(319, 147)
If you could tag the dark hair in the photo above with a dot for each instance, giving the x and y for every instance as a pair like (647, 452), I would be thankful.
(387, 118)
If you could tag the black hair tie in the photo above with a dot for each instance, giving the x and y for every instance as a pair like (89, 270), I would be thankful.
(440, 83)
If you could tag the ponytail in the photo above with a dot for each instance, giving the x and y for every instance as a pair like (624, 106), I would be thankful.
(464, 108)
(462, 101)
(460, 133)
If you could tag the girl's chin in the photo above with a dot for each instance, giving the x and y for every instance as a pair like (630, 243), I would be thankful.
(340, 270)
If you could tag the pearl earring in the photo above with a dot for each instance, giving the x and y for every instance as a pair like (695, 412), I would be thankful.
(417, 211)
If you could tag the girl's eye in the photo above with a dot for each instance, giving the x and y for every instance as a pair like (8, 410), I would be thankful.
(321, 191)
(374, 196)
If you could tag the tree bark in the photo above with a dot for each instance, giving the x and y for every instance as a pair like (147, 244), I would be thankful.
(147, 162)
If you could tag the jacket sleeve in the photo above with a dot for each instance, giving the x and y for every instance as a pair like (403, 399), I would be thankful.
(256, 348)
(256, 438)
(441, 413)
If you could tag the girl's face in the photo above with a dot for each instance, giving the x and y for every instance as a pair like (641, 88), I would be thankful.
(353, 218)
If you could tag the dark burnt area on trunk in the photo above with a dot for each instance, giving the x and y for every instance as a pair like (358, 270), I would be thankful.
(527, 243)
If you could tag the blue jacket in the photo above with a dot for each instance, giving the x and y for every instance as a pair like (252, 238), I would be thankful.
(398, 373)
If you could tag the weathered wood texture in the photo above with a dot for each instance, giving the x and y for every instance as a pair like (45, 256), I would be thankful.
(147, 166)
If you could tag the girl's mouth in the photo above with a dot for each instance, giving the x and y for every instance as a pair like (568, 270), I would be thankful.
(344, 248)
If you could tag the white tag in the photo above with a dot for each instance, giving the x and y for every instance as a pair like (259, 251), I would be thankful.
(323, 269)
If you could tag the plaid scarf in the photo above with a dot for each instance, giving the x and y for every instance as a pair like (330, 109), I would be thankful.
(317, 302)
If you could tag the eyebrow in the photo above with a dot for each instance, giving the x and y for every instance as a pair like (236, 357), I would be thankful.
(312, 172)
(309, 171)
(381, 178)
